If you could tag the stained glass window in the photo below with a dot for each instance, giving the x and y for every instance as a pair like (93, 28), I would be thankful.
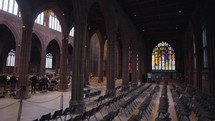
(163, 57)
(130, 59)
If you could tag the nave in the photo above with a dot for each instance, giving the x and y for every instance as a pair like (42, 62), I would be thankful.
(146, 101)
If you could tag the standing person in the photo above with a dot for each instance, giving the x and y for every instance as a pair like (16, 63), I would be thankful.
(149, 77)
(44, 82)
(13, 82)
(34, 82)
(4, 80)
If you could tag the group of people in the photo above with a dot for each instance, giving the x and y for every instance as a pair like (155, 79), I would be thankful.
(8, 80)
(42, 83)
(36, 81)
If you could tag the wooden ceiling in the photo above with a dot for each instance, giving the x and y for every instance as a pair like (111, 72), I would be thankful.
(159, 20)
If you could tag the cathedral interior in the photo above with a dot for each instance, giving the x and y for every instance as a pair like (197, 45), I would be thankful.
(106, 60)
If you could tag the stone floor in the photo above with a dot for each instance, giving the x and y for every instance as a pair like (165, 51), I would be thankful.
(43, 103)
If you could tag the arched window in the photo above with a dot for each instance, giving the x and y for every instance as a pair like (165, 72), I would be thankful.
(163, 57)
(54, 22)
(71, 33)
(49, 59)
(40, 19)
(9, 6)
(11, 58)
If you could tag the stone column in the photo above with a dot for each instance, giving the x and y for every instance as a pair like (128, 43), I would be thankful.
(110, 61)
(25, 51)
(63, 86)
(43, 62)
(211, 61)
(140, 67)
(116, 64)
(108, 9)
(101, 64)
(86, 59)
(125, 73)
(17, 58)
(80, 22)
(120, 64)
(134, 66)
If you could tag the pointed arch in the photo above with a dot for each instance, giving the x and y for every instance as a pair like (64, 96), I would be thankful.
(57, 11)
(95, 52)
(54, 49)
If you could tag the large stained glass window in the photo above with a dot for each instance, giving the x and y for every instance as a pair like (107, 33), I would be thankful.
(163, 57)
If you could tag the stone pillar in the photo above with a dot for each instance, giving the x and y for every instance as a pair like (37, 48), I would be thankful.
(211, 61)
(134, 66)
(17, 58)
(80, 22)
(43, 62)
(86, 59)
(120, 64)
(108, 9)
(63, 86)
(125, 73)
(25, 51)
(101, 64)
(110, 61)
(140, 59)
(116, 64)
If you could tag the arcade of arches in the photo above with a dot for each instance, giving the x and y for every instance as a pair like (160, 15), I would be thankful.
(98, 38)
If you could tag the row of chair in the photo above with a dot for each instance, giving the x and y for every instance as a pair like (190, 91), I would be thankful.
(145, 108)
(164, 102)
(182, 108)
(92, 94)
(104, 103)
(88, 114)
(204, 110)
(86, 91)
(163, 113)
(130, 103)
(117, 101)
(102, 98)
(118, 87)
(59, 114)
(196, 100)
(111, 115)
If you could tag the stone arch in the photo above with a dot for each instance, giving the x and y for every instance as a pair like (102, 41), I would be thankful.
(14, 31)
(57, 40)
(40, 39)
(95, 53)
(7, 43)
(60, 15)
(35, 56)
(54, 48)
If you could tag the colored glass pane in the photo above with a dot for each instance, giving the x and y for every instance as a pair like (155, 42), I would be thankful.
(163, 57)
